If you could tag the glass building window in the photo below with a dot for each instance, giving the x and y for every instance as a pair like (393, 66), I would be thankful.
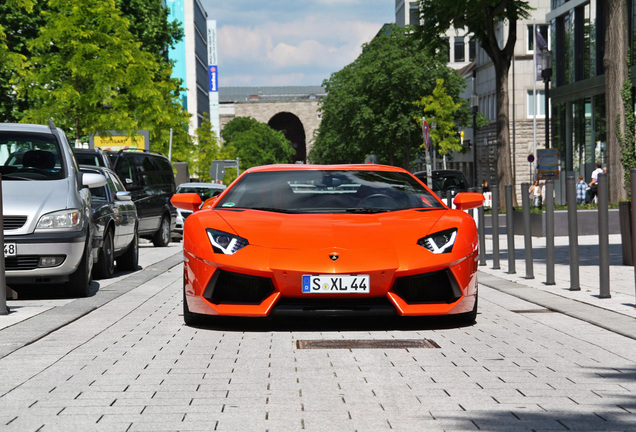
(540, 103)
(472, 49)
(543, 30)
(459, 54)
(414, 13)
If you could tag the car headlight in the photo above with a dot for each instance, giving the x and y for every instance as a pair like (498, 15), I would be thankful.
(441, 242)
(225, 243)
(64, 219)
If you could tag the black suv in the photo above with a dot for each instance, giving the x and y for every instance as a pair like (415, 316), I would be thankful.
(150, 179)
(444, 181)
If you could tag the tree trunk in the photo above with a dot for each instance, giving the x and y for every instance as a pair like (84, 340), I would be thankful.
(504, 150)
(616, 72)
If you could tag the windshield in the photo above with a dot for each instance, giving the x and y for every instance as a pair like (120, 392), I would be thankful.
(326, 191)
(29, 156)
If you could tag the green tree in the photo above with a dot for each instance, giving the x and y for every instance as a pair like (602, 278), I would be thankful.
(19, 23)
(255, 143)
(440, 108)
(369, 104)
(90, 75)
(483, 19)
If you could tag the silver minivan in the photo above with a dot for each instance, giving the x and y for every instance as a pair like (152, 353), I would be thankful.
(48, 232)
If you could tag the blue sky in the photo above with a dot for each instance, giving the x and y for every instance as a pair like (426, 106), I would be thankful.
(292, 42)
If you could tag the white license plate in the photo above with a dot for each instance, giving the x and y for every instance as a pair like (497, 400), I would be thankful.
(335, 284)
(10, 250)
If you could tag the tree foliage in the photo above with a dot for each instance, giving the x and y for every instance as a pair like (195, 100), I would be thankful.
(441, 109)
(484, 19)
(84, 68)
(255, 143)
(369, 104)
(19, 23)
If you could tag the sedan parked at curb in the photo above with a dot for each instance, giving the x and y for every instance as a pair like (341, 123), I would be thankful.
(329, 240)
(115, 220)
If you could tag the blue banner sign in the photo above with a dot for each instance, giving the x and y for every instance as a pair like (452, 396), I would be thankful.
(213, 77)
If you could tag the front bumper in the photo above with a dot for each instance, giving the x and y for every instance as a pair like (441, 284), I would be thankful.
(440, 289)
(26, 267)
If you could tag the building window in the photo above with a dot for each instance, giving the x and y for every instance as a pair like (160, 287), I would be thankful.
(472, 49)
(540, 103)
(459, 49)
(542, 29)
(414, 13)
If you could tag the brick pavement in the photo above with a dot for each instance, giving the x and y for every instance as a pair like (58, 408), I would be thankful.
(132, 365)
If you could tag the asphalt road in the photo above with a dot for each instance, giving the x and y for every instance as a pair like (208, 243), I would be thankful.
(122, 360)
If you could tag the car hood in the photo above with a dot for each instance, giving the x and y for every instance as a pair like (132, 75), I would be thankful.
(317, 231)
(33, 199)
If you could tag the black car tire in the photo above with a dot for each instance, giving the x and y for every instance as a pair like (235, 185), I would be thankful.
(105, 267)
(162, 236)
(79, 281)
(190, 318)
(130, 259)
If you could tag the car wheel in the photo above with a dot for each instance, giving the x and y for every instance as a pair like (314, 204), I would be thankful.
(106, 264)
(190, 318)
(79, 281)
(130, 259)
(162, 237)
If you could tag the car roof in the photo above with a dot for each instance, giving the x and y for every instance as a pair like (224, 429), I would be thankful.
(343, 167)
(26, 127)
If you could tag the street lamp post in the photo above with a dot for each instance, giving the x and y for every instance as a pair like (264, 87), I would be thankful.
(474, 102)
(546, 74)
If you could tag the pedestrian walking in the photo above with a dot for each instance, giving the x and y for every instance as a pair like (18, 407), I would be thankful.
(535, 194)
(593, 190)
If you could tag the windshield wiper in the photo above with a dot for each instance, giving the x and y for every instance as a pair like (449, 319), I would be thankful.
(369, 210)
(273, 209)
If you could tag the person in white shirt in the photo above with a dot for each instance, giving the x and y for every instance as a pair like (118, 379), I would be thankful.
(593, 190)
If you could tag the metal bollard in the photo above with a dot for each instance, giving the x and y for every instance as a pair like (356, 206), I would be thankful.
(549, 232)
(527, 230)
(603, 236)
(510, 230)
(573, 232)
(632, 173)
(482, 233)
(449, 199)
(495, 227)
(4, 310)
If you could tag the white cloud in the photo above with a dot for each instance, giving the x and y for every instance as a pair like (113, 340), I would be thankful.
(308, 45)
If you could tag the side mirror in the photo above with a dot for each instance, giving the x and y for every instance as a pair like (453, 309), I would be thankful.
(92, 180)
(186, 201)
(123, 196)
(468, 200)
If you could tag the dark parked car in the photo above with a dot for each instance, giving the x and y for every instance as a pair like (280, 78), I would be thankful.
(444, 181)
(92, 157)
(150, 179)
(115, 219)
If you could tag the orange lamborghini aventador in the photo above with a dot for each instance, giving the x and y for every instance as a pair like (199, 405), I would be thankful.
(329, 239)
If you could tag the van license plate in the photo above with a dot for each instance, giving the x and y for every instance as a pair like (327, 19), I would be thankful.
(335, 284)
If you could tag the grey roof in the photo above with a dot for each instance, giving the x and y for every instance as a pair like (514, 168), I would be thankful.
(265, 94)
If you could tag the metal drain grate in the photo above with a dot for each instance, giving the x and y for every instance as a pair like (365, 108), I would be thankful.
(362, 344)
(532, 311)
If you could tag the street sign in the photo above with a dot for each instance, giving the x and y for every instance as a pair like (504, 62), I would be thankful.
(217, 170)
(426, 133)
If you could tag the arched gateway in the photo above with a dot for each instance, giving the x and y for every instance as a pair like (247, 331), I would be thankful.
(292, 110)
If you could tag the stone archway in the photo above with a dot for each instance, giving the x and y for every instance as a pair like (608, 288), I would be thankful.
(291, 126)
